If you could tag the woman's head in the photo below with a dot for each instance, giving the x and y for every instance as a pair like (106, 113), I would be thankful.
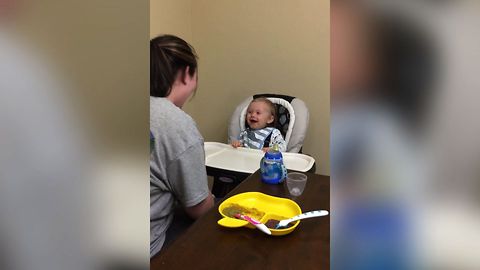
(173, 68)
(260, 113)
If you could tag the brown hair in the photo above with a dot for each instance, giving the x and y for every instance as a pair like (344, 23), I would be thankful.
(271, 106)
(168, 56)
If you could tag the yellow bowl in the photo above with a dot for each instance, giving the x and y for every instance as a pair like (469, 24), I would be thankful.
(273, 207)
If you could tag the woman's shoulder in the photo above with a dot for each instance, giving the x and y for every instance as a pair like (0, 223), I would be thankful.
(163, 108)
(174, 132)
(170, 119)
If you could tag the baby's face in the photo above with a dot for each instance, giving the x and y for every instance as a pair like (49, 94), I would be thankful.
(259, 115)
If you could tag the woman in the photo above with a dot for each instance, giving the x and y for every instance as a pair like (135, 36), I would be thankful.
(177, 160)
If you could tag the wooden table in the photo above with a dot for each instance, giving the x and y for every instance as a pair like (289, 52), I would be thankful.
(206, 245)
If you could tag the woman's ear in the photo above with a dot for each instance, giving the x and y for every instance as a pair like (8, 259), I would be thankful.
(184, 74)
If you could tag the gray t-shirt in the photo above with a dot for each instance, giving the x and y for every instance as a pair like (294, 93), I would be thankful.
(177, 167)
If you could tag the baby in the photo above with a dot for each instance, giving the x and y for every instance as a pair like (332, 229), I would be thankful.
(260, 133)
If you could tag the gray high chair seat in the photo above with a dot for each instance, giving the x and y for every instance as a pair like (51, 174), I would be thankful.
(292, 119)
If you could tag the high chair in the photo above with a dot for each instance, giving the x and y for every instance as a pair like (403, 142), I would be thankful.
(292, 118)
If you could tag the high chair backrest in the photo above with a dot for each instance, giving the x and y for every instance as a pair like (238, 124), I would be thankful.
(291, 119)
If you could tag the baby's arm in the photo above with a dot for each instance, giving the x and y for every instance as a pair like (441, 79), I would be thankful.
(277, 139)
(239, 142)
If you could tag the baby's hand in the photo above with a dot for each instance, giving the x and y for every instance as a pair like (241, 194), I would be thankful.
(236, 144)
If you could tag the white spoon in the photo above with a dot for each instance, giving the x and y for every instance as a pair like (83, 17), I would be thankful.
(311, 214)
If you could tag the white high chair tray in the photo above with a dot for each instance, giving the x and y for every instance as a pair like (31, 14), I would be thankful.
(224, 156)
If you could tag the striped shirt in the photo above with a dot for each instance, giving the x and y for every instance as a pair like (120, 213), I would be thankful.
(255, 138)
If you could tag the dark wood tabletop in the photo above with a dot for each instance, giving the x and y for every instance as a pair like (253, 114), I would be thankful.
(207, 245)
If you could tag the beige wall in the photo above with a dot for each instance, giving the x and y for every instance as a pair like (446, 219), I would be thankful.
(251, 46)
(171, 17)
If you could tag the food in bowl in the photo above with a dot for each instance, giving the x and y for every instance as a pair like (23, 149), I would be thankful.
(232, 209)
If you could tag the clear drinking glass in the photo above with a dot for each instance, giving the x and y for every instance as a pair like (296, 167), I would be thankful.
(296, 183)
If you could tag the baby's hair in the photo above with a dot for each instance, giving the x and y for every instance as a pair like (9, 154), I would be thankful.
(271, 106)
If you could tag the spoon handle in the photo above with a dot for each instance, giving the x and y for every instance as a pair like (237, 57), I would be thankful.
(262, 227)
(311, 214)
